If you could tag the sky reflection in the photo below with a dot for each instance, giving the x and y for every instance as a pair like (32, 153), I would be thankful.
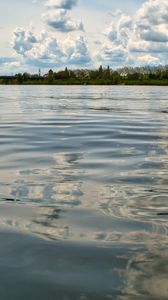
(81, 169)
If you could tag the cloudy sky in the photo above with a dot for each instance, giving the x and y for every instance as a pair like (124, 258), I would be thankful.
(82, 34)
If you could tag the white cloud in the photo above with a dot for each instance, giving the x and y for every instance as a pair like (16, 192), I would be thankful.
(112, 54)
(151, 21)
(114, 49)
(9, 65)
(45, 47)
(58, 19)
(138, 40)
(120, 28)
(150, 32)
(142, 40)
(77, 51)
(47, 51)
(148, 60)
(23, 41)
(64, 4)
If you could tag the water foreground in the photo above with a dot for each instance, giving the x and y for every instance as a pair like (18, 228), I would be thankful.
(83, 193)
(32, 268)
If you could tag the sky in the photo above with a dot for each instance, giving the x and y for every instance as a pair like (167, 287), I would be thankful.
(53, 34)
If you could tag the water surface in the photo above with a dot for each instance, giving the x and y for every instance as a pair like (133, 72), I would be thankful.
(83, 192)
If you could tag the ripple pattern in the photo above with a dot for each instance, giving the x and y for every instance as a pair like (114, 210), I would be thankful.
(100, 153)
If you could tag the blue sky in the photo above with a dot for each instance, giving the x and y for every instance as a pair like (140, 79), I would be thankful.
(82, 34)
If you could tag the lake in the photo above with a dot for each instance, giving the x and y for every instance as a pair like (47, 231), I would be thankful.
(83, 192)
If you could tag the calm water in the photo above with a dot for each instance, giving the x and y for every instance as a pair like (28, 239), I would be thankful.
(83, 193)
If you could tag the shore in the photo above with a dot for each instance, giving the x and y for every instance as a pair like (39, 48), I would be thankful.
(91, 83)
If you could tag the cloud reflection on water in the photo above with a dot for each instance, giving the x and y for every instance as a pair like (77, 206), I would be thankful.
(95, 177)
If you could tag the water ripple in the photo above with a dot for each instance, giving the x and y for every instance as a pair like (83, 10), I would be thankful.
(99, 149)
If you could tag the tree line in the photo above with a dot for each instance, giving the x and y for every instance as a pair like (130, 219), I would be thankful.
(103, 75)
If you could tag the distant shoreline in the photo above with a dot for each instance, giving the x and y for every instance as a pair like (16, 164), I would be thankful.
(149, 76)
(87, 84)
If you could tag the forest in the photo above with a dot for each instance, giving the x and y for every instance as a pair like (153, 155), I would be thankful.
(102, 76)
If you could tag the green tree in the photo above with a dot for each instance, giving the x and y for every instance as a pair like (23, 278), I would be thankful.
(19, 78)
(107, 73)
(50, 76)
(100, 71)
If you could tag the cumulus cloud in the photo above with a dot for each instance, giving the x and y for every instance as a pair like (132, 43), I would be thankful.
(112, 54)
(148, 59)
(142, 39)
(120, 28)
(47, 51)
(62, 4)
(138, 40)
(23, 41)
(77, 51)
(151, 22)
(150, 32)
(44, 49)
(59, 20)
(114, 49)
